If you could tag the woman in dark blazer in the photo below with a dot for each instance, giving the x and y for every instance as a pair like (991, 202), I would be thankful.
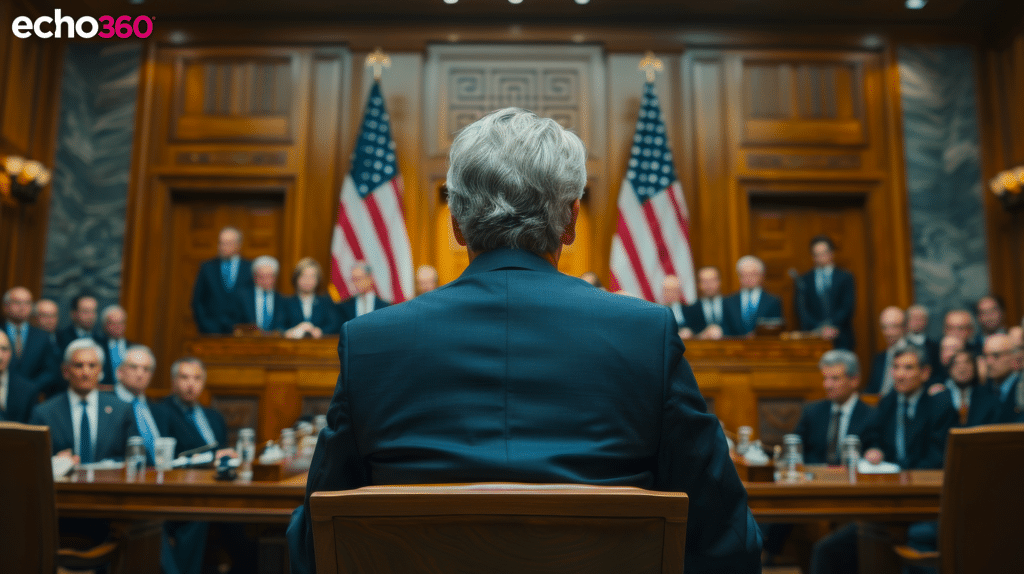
(306, 313)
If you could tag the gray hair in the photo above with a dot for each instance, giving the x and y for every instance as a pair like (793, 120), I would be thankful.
(189, 360)
(904, 347)
(108, 310)
(142, 349)
(85, 343)
(749, 259)
(266, 261)
(512, 179)
(841, 357)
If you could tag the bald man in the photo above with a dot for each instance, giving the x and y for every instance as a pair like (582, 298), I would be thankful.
(893, 323)
(426, 279)
(960, 323)
(33, 355)
(672, 297)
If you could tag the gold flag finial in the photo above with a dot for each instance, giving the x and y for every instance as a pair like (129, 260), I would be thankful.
(650, 65)
(378, 60)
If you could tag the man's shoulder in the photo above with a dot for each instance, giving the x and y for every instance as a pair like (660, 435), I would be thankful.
(54, 406)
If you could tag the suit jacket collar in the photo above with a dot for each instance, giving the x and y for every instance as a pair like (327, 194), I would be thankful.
(505, 258)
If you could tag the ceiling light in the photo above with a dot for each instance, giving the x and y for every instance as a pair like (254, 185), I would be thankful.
(581, 2)
(450, 1)
(916, 4)
(515, 1)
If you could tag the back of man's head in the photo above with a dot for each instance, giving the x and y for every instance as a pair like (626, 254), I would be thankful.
(512, 180)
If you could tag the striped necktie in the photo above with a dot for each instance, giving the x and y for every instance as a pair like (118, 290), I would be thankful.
(144, 431)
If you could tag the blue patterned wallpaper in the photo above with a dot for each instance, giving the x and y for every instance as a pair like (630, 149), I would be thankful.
(90, 185)
(943, 169)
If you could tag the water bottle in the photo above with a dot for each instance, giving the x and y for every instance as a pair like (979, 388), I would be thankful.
(288, 444)
(743, 442)
(851, 456)
(134, 459)
(246, 448)
(794, 457)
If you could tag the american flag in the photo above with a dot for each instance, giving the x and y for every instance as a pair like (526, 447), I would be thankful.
(371, 220)
(652, 237)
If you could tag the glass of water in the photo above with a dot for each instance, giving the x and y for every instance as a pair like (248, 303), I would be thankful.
(163, 453)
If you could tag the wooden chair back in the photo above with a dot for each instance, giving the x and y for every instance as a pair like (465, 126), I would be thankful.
(499, 528)
(28, 511)
(983, 501)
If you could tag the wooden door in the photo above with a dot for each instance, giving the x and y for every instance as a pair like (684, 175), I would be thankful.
(781, 228)
(197, 221)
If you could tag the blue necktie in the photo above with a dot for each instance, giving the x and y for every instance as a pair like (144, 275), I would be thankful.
(115, 354)
(202, 426)
(266, 312)
(749, 311)
(144, 431)
(85, 436)
(227, 273)
(901, 431)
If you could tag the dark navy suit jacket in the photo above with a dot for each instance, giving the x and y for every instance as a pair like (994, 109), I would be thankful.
(347, 308)
(65, 336)
(213, 306)
(841, 297)
(245, 308)
(1009, 412)
(181, 426)
(984, 409)
(813, 427)
(109, 374)
(925, 433)
(38, 362)
(22, 395)
(516, 372)
(325, 314)
(768, 307)
(116, 424)
(877, 373)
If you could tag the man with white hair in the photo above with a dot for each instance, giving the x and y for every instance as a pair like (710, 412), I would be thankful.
(113, 321)
(365, 298)
(751, 305)
(95, 425)
(515, 372)
(218, 282)
(259, 303)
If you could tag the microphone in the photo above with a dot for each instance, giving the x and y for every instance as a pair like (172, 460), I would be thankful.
(199, 450)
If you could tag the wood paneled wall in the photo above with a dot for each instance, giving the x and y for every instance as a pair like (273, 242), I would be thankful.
(1002, 121)
(29, 103)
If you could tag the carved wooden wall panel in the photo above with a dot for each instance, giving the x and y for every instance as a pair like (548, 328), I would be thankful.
(240, 411)
(777, 417)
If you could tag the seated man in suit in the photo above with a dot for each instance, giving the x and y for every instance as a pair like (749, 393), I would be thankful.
(213, 295)
(45, 317)
(34, 357)
(365, 300)
(541, 378)
(1002, 365)
(826, 295)
(84, 311)
(893, 323)
(17, 394)
(975, 403)
(308, 314)
(95, 425)
(991, 314)
(426, 279)
(960, 323)
(113, 321)
(825, 424)
(704, 317)
(134, 373)
(744, 310)
(259, 303)
(672, 297)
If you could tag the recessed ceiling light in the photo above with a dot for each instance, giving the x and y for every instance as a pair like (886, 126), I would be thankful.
(515, 1)
(916, 4)
(450, 1)
(581, 2)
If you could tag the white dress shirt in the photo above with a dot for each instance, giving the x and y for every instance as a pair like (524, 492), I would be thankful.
(307, 306)
(712, 310)
(364, 303)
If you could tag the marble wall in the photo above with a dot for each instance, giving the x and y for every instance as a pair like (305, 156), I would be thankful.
(944, 184)
(90, 184)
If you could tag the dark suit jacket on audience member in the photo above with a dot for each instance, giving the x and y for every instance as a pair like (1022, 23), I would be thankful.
(22, 395)
(541, 379)
(181, 426)
(877, 373)
(347, 308)
(325, 313)
(984, 409)
(39, 362)
(109, 375)
(695, 319)
(115, 424)
(768, 307)
(65, 336)
(1009, 412)
(213, 306)
(245, 308)
(841, 296)
(925, 434)
(813, 428)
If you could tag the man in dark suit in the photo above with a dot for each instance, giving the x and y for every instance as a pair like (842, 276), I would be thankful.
(259, 303)
(95, 425)
(113, 321)
(975, 403)
(365, 300)
(672, 297)
(893, 323)
(45, 317)
(991, 315)
(960, 323)
(751, 305)
(516, 372)
(213, 296)
(824, 425)
(84, 310)
(825, 296)
(17, 394)
(34, 357)
(705, 316)
(134, 374)
(1002, 365)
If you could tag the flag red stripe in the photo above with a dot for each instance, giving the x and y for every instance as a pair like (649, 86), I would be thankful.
(664, 256)
(345, 224)
(684, 222)
(385, 243)
(634, 257)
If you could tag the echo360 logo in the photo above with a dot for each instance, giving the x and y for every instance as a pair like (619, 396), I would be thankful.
(60, 26)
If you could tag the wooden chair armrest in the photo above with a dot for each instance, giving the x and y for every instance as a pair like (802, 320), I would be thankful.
(917, 557)
(85, 559)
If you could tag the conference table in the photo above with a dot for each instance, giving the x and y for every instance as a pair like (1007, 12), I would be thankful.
(196, 495)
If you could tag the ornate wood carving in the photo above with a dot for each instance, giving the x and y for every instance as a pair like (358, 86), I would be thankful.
(233, 158)
(240, 411)
(802, 161)
(777, 416)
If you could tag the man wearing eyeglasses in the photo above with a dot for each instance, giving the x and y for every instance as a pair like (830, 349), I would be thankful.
(1002, 362)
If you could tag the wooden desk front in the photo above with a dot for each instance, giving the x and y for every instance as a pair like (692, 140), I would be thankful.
(268, 383)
